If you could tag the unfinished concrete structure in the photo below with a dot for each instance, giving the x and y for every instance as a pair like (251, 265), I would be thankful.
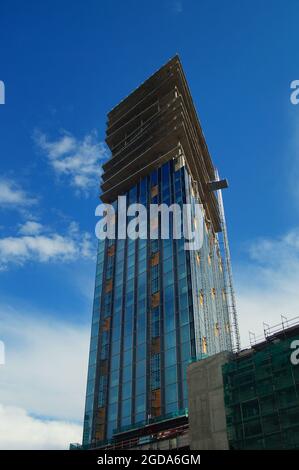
(207, 419)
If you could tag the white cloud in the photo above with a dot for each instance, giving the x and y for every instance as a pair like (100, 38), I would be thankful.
(267, 286)
(48, 358)
(13, 196)
(31, 227)
(44, 247)
(20, 431)
(78, 160)
(44, 374)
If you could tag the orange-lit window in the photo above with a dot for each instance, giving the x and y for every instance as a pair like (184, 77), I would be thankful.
(204, 345)
(155, 259)
(108, 286)
(154, 191)
(155, 299)
(111, 250)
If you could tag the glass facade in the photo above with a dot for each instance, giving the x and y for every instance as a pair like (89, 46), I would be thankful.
(156, 306)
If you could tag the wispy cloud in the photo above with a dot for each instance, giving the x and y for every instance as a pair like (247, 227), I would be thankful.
(267, 285)
(31, 227)
(177, 7)
(36, 243)
(80, 161)
(12, 196)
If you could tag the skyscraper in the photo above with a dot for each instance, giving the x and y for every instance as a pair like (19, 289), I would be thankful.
(156, 304)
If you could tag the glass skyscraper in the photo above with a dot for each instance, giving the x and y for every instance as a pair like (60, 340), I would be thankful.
(156, 304)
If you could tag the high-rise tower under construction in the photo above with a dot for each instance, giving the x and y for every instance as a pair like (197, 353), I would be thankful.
(156, 304)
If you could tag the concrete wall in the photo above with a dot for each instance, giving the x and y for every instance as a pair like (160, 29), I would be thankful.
(207, 423)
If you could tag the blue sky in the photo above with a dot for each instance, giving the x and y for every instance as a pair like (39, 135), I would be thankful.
(65, 64)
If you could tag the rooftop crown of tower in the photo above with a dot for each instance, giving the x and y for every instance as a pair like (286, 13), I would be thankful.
(153, 124)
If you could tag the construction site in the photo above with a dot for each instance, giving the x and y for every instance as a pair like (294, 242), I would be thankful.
(166, 369)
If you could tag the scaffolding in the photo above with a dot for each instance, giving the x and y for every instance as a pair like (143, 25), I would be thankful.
(228, 274)
(261, 393)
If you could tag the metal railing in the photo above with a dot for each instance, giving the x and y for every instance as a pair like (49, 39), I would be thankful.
(136, 442)
(270, 331)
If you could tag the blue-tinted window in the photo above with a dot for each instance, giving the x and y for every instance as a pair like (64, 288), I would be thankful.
(185, 351)
(155, 322)
(171, 407)
(185, 334)
(127, 358)
(113, 394)
(110, 428)
(140, 386)
(154, 178)
(126, 408)
(112, 412)
(171, 393)
(102, 390)
(128, 341)
(89, 402)
(155, 371)
(141, 352)
(140, 403)
(140, 417)
(140, 368)
(170, 340)
(127, 390)
(170, 375)
(127, 373)
(90, 387)
(170, 357)
(115, 362)
(114, 378)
